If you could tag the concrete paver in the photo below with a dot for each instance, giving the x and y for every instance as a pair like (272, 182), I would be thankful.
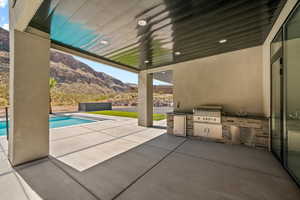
(116, 159)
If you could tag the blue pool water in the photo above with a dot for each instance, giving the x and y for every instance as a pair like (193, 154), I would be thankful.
(54, 122)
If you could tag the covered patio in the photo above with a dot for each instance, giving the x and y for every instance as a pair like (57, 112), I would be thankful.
(109, 160)
(231, 56)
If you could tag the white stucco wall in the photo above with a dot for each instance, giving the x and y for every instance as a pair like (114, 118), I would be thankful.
(233, 80)
(190, 95)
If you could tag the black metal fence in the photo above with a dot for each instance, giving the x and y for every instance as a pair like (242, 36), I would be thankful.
(7, 123)
(158, 110)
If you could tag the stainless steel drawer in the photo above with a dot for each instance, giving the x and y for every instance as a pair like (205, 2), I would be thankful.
(179, 125)
(208, 130)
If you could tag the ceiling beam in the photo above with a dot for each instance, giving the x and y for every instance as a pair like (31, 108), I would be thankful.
(21, 13)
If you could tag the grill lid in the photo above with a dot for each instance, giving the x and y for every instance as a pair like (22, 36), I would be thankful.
(207, 114)
(208, 111)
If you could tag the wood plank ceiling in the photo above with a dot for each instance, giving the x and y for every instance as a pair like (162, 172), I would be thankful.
(146, 34)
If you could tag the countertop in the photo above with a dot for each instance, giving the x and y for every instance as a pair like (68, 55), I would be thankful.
(224, 115)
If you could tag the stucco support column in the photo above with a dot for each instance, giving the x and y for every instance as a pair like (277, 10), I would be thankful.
(145, 99)
(29, 96)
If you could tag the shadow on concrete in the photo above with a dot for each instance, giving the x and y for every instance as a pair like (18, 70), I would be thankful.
(52, 179)
(159, 127)
(166, 167)
(50, 182)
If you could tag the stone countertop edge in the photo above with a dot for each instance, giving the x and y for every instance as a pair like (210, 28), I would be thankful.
(224, 115)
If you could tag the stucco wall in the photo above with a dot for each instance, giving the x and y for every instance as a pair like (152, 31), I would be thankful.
(233, 80)
(265, 60)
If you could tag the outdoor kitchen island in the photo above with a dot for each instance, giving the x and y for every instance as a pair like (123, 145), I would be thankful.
(252, 131)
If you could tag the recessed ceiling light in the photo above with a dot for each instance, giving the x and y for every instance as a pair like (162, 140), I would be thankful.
(105, 42)
(142, 22)
(177, 53)
(222, 41)
(146, 61)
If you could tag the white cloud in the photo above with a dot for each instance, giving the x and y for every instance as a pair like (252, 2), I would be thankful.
(5, 26)
(3, 3)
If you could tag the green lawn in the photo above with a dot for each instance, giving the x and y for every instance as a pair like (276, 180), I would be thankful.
(156, 117)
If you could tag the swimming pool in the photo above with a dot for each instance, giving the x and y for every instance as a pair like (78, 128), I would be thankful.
(54, 122)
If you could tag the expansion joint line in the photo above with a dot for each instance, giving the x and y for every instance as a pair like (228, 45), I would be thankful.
(146, 172)
(74, 179)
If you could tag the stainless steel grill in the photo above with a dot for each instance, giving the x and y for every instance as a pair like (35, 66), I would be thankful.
(207, 122)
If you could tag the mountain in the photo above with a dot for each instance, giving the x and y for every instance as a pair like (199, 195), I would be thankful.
(4, 40)
(72, 75)
(160, 89)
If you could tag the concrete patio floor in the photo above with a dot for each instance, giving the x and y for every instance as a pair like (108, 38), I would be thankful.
(116, 159)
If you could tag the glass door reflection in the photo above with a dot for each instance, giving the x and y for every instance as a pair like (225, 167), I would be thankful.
(292, 62)
(277, 95)
(276, 115)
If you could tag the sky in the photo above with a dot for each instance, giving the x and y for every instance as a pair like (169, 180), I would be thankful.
(4, 14)
(124, 76)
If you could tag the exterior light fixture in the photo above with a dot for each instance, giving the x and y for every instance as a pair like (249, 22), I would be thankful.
(146, 61)
(222, 41)
(177, 53)
(104, 42)
(142, 22)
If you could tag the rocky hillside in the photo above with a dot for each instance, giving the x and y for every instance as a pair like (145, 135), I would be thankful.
(4, 40)
(72, 75)
(160, 89)
(75, 76)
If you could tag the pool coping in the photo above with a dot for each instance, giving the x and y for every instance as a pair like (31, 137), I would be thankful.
(69, 115)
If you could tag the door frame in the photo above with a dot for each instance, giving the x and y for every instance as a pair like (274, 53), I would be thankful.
(278, 56)
(284, 135)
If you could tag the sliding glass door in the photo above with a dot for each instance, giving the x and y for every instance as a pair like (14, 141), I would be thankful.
(292, 77)
(285, 95)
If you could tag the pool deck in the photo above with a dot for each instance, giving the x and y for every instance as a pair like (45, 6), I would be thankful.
(116, 159)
